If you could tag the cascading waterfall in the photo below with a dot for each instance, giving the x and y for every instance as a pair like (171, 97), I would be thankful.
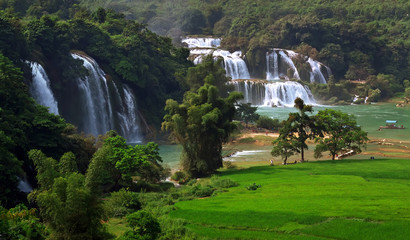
(40, 88)
(97, 109)
(272, 63)
(279, 93)
(128, 117)
(235, 66)
(279, 66)
(290, 64)
(202, 42)
(102, 109)
(316, 75)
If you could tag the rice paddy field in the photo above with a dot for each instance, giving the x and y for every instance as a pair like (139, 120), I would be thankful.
(344, 199)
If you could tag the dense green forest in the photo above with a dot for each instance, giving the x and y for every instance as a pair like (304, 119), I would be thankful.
(138, 43)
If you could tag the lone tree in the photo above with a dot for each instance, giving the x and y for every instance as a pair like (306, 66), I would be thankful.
(286, 144)
(301, 126)
(201, 123)
(341, 132)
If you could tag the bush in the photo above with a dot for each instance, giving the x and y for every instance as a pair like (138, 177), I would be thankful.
(374, 95)
(268, 123)
(253, 187)
(122, 203)
(181, 177)
(202, 191)
(222, 182)
(407, 92)
(229, 165)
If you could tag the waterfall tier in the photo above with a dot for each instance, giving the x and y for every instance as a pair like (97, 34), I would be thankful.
(279, 93)
(105, 106)
(234, 64)
(40, 88)
(202, 42)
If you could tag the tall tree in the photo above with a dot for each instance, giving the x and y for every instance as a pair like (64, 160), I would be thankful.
(201, 123)
(286, 144)
(301, 125)
(245, 112)
(341, 133)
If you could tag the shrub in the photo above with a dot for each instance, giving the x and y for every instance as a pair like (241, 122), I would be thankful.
(407, 92)
(181, 177)
(268, 123)
(253, 187)
(222, 182)
(122, 203)
(202, 191)
(229, 165)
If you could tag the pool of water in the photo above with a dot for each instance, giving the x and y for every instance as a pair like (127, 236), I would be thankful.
(369, 117)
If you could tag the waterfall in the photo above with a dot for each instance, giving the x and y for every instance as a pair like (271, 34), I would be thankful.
(40, 88)
(290, 63)
(94, 90)
(272, 65)
(280, 93)
(316, 75)
(202, 42)
(235, 66)
(129, 121)
(285, 93)
(104, 105)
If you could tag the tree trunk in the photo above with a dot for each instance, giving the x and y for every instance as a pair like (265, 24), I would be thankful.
(284, 161)
(302, 154)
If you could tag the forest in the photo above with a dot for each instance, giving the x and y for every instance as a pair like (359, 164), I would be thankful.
(137, 44)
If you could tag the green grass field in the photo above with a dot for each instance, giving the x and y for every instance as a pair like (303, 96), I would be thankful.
(347, 199)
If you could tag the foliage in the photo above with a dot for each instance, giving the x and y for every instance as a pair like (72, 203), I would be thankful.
(300, 126)
(115, 163)
(245, 112)
(144, 226)
(253, 187)
(122, 203)
(21, 223)
(201, 124)
(180, 176)
(268, 123)
(286, 144)
(407, 92)
(341, 133)
(69, 208)
(218, 182)
(10, 168)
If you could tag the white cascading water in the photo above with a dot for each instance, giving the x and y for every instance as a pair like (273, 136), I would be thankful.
(40, 88)
(279, 93)
(235, 66)
(259, 92)
(316, 75)
(272, 64)
(202, 42)
(290, 63)
(96, 96)
(128, 117)
(98, 109)
(285, 93)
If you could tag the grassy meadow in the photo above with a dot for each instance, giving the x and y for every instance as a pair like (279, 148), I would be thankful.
(345, 199)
